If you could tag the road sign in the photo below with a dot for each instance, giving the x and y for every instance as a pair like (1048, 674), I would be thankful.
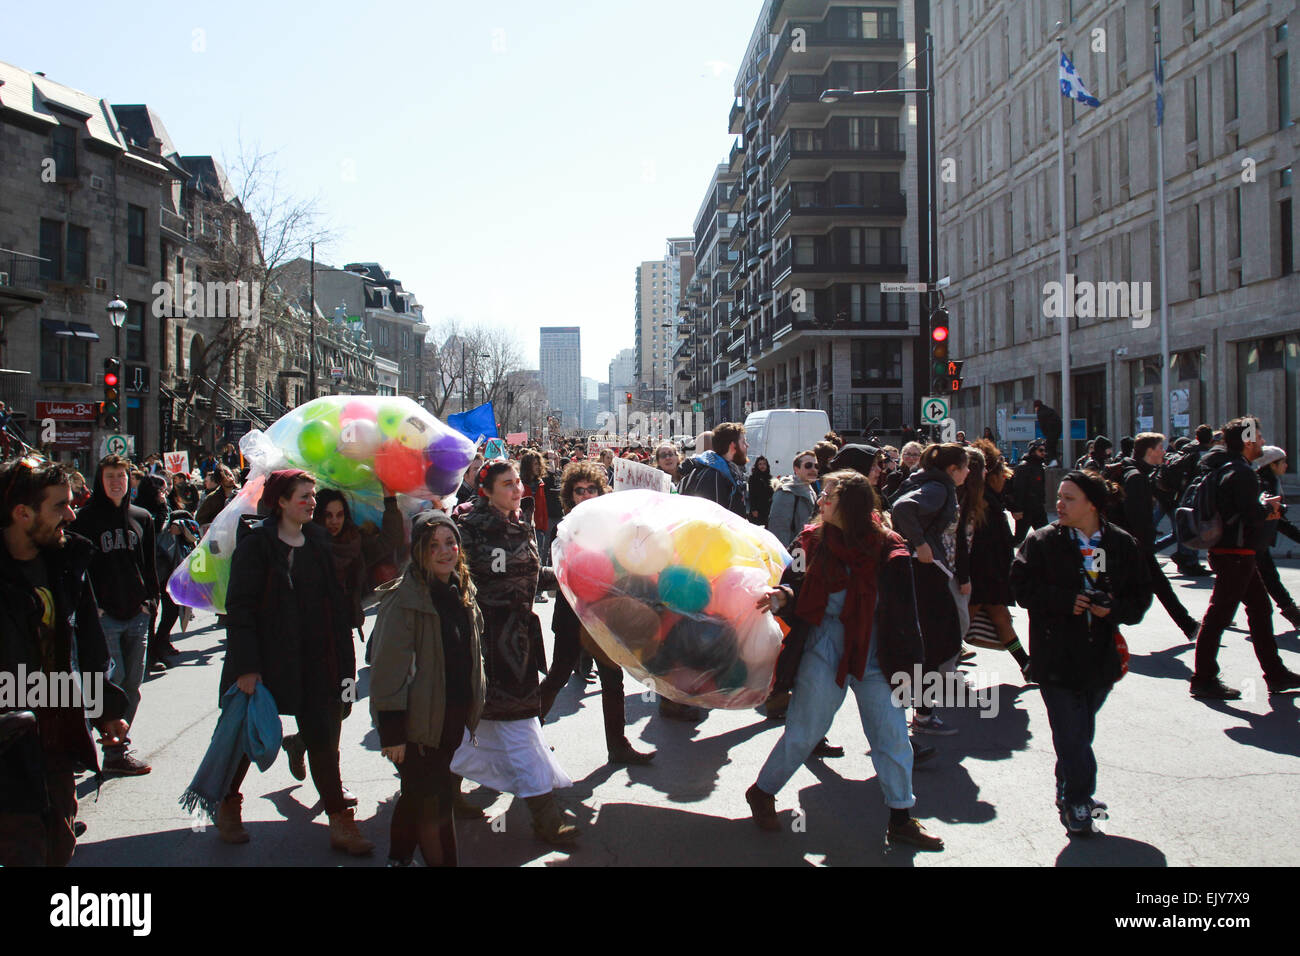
(934, 409)
(118, 444)
(904, 287)
(697, 407)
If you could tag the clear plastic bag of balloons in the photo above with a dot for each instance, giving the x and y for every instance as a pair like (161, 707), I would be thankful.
(366, 446)
(667, 585)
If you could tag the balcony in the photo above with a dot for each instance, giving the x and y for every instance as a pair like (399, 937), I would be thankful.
(737, 275)
(751, 127)
(823, 320)
(736, 117)
(737, 151)
(821, 203)
(764, 198)
(751, 172)
(764, 101)
(814, 154)
(173, 224)
(822, 44)
(871, 260)
(20, 278)
(764, 150)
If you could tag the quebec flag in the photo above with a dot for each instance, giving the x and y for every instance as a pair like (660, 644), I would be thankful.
(1072, 86)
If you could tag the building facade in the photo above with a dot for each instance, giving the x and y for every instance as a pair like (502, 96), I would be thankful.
(829, 201)
(659, 288)
(560, 359)
(1230, 141)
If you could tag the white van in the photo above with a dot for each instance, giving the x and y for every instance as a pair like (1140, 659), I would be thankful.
(781, 433)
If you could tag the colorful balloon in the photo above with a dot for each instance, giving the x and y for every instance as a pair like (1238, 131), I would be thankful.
(390, 418)
(709, 549)
(415, 431)
(683, 590)
(736, 591)
(317, 441)
(442, 482)
(589, 574)
(359, 410)
(642, 548)
(359, 439)
(398, 468)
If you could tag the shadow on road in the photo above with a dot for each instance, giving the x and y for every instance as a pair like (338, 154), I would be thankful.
(1274, 731)
(1108, 851)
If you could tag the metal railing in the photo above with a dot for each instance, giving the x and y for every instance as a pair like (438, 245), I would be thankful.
(20, 270)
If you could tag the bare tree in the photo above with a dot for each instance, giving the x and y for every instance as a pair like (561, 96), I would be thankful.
(246, 238)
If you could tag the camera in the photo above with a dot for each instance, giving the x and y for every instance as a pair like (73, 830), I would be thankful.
(1099, 599)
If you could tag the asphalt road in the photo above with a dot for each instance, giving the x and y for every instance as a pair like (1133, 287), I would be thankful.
(1189, 783)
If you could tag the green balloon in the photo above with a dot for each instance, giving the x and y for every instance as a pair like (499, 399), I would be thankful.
(345, 472)
(204, 568)
(317, 441)
(390, 420)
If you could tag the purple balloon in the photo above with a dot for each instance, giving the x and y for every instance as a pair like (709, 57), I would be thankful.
(450, 454)
(441, 481)
(189, 593)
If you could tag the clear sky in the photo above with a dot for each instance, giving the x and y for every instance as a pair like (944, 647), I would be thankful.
(509, 162)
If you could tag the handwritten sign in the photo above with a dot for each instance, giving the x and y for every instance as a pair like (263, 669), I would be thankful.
(496, 448)
(177, 462)
(516, 438)
(633, 474)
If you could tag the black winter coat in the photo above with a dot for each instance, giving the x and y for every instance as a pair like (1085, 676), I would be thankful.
(124, 565)
(1139, 503)
(1269, 484)
(1077, 650)
(1237, 499)
(303, 650)
(61, 731)
(1029, 489)
(991, 552)
(760, 496)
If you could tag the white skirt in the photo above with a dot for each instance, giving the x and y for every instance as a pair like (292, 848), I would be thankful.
(510, 756)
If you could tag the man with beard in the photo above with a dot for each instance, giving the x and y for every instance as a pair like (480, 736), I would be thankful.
(48, 620)
(124, 575)
(719, 474)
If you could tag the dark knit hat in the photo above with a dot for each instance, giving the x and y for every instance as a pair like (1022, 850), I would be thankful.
(1101, 443)
(855, 458)
(277, 486)
(1092, 486)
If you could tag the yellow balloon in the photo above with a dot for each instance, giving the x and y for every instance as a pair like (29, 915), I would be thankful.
(710, 549)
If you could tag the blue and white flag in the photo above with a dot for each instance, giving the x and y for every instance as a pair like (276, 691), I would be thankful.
(1160, 87)
(1072, 86)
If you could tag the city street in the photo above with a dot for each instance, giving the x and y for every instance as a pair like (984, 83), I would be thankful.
(1188, 783)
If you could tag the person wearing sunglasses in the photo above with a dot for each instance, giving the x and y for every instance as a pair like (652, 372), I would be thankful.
(794, 502)
(50, 625)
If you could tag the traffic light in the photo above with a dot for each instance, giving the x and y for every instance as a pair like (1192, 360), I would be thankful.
(112, 380)
(939, 351)
(628, 398)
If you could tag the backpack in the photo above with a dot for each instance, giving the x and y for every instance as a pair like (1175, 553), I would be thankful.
(1197, 520)
(1173, 476)
(1114, 472)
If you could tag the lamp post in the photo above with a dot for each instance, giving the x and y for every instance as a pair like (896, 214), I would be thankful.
(752, 372)
(117, 316)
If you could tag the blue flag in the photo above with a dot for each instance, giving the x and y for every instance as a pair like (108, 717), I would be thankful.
(477, 423)
(1160, 88)
(1072, 86)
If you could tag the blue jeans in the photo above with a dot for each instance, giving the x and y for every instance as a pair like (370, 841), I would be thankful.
(1182, 555)
(1073, 716)
(127, 645)
(817, 698)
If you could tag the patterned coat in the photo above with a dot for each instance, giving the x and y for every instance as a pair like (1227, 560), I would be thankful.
(502, 556)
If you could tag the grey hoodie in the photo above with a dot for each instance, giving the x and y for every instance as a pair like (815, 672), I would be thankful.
(793, 506)
(926, 505)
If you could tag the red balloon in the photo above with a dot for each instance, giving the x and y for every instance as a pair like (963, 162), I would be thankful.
(398, 468)
(589, 574)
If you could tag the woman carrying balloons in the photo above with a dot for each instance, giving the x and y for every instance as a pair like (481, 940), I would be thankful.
(854, 609)
(584, 480)
(508, 752)
(427, 686)
(287, 628)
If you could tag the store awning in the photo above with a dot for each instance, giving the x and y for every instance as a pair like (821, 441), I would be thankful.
(70, 330)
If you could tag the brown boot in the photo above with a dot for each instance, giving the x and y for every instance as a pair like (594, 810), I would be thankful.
(763, 806)
(548, 824)
(230, 828)
(345, 836)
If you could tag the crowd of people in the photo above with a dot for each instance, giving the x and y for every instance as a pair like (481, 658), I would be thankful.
(904, 560)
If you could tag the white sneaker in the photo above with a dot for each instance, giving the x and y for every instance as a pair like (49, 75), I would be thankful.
(933, 725)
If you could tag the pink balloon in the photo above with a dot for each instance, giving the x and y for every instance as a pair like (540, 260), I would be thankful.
(589, 574)
(734, 592)
(358, 410)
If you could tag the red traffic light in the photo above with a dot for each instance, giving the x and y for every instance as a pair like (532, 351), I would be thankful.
(939, 333)
(110, 379)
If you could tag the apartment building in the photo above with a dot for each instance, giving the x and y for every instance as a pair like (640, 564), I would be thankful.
(659, 287)
(560, 359)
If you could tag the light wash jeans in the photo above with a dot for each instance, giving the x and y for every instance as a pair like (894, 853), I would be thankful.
(816, 700)
(128, 642)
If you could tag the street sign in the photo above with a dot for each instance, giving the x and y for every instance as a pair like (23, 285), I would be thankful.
(697, 407)
(119, 444)
(934, 409)
(137, 379)
(749, 407)
(904, 287)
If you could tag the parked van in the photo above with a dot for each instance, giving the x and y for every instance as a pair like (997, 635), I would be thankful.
(781, 433)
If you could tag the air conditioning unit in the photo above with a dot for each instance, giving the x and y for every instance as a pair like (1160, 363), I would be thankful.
(96, 182)
(101, 284)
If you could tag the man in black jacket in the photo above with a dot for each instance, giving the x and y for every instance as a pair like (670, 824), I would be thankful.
(1246, 514)
(719, 474)
(1137, 517)
(48, 621)
(1079, 578)
(1049, 420)
(1028, 501)
(124, 575)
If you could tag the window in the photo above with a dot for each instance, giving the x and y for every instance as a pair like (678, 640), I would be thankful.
(1283, 91)
(1194, 239)
(78, 241)
(52, 249)
(1230, 93)
(1285, 245)
(888, 408)
(1234, 223)
(1189, 118)
(64, 358)
(876, 362)
(134, 326)
(64, 146)
(135, 237)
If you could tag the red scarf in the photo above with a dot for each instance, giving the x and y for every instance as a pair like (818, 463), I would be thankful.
(540, 518)
(834, 566)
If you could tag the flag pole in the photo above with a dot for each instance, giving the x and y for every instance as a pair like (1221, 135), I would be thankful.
(1166, 407)
(1066, 291)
